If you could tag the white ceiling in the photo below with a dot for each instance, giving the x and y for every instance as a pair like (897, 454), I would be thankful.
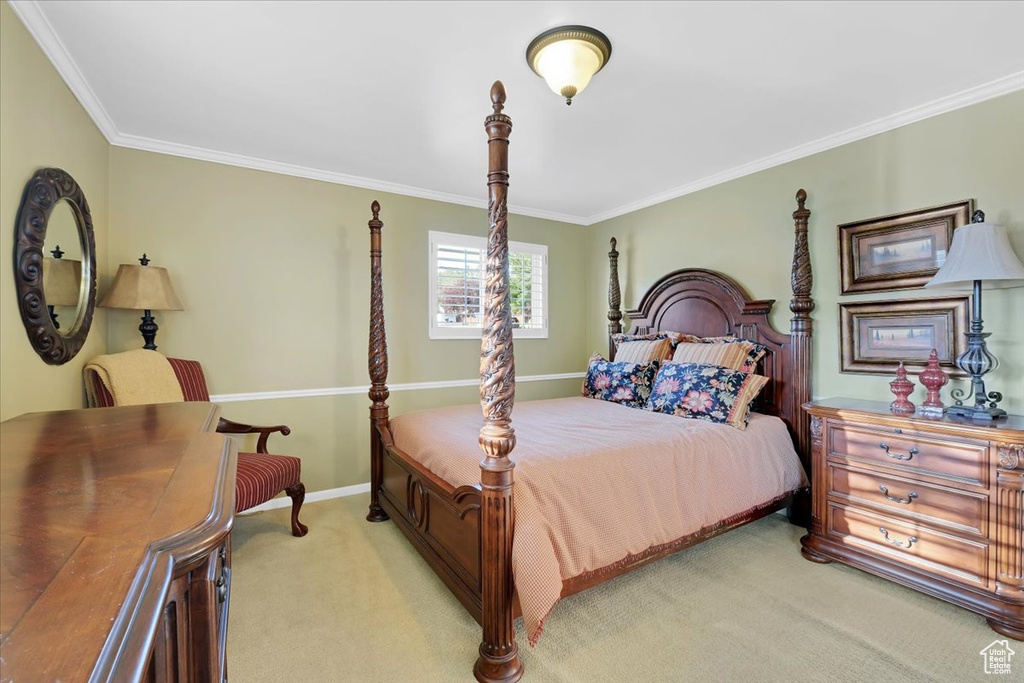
(392, 95)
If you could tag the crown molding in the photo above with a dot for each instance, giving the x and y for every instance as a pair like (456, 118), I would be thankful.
(259, 164)
(49, 42)
(42, 31)
(986, 91)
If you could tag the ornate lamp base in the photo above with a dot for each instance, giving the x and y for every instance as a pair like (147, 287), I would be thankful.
(976, 413)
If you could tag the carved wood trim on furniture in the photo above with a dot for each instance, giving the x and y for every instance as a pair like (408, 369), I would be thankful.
(44, 190)
(465, 533)
(934, 504)
(105, 586)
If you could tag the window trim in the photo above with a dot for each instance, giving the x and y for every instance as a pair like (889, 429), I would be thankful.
(435, 239)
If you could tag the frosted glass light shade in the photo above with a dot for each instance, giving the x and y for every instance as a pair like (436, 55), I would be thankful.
(980, 251)
(62, 281)
(567, 58)
(142, 288)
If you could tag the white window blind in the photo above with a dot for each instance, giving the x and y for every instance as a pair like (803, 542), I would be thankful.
(457, 265)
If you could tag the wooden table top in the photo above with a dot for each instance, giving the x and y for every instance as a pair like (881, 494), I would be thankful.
(92, 501)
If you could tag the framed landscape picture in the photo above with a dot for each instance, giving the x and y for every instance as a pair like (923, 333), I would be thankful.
(876, 335)
(902, 251)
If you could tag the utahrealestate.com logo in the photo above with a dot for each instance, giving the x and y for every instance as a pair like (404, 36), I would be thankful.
(997, 657)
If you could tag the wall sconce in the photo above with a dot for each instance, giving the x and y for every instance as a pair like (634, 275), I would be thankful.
(567, 58)
(143, 288)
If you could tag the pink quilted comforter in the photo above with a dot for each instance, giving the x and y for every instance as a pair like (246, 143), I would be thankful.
(597, 483)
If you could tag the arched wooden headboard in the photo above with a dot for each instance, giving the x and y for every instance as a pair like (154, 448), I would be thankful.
(707, 304)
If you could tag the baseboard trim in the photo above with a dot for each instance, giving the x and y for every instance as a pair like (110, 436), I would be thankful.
(362, 389)
(315, 497)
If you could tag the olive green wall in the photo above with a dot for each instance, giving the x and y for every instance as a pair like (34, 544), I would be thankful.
(273, 272)
(41, 124)
(744, 228)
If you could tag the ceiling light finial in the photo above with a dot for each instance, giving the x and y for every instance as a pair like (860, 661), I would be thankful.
(567, 58)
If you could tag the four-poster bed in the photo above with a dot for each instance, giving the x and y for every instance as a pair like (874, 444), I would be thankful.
(465, 529)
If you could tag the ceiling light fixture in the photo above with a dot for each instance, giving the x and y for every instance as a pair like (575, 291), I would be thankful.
(567, 58)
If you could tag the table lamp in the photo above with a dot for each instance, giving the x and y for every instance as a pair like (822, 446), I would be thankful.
(143, 288)
(62, 283)
(980, 252)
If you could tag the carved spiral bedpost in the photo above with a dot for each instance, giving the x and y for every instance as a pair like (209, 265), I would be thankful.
(499, 654)
(801, 328)
(378, 362)
(614, 299)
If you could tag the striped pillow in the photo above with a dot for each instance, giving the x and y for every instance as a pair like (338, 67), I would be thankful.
(643, 351)
(734, 354)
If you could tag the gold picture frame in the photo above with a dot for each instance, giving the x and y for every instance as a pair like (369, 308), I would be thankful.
(901, 251)
(876, 336)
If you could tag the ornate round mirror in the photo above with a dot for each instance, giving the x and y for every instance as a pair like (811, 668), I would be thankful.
(55, 265)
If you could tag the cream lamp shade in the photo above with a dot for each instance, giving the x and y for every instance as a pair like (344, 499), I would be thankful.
(980, 251)
(62, 281)
(142, 288)
(567, 58)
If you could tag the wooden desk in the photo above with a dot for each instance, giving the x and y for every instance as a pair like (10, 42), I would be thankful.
(114, 544)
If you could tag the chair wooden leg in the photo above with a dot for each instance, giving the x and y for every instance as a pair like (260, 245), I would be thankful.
(298, 494)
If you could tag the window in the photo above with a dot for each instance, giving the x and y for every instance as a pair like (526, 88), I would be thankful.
(457, 264)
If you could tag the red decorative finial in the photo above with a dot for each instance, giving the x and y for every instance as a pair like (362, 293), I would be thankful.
(933, 378)
(375, 208)
(902, 388)
(498, 96)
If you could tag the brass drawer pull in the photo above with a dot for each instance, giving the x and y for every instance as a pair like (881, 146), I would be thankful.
(899, 544)
(905, 501)
(898, 456)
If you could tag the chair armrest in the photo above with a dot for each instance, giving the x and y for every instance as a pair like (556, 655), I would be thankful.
(229, 427)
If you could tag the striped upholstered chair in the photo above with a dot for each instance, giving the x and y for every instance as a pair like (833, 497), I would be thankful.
(261, 476)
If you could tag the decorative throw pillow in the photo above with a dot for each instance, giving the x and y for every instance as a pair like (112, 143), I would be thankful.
(705, 392)
(619, 382)
(644, 351)
(727, 352)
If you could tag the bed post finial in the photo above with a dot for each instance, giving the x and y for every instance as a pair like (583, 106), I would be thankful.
(378, 364)
(499, 654)
(801, 328)
(614, 298)
(498, 96)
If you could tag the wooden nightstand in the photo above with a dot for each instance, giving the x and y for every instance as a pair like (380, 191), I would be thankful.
(936, 504)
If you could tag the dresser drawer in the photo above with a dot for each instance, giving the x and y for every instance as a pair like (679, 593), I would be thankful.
(962, 511)
(960, 460)
(910, 543)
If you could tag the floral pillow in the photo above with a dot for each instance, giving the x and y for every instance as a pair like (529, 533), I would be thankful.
(705, 392)
(619, 382)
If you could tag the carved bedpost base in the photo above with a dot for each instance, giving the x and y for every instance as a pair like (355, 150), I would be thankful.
(298, 494)
(799, 513)
(505, 669)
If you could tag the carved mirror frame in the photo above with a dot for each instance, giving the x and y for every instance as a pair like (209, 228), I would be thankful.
(42, 193)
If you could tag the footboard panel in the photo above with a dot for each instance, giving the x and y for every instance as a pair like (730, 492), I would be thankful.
(442, 522)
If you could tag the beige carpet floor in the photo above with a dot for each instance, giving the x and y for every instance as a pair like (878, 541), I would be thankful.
(352, 601)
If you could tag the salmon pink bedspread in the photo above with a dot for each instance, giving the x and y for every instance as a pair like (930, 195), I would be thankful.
(597, 482)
